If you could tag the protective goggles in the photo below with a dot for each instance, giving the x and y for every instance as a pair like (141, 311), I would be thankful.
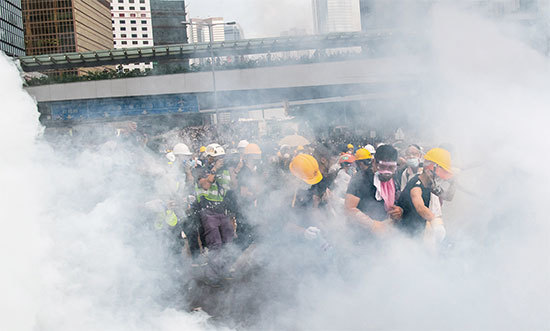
(386, 166)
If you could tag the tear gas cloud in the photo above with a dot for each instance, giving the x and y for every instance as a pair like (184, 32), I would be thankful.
(76, 255)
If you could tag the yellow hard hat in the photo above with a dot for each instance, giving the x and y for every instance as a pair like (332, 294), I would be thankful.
(441, 157)
(305, 167)
(202, 149)
(350, 146)
(362, 154)
(252, 149)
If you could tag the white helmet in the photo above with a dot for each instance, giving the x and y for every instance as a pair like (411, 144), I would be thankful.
(214, 150)
(181, 149)
(370, 148)
(242, 144)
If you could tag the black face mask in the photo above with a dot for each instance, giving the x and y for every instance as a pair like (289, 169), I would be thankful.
(385, 177)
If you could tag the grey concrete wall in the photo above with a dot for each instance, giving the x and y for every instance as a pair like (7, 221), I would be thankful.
(385, 70)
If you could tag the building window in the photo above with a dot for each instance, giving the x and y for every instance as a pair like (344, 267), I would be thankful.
(145, 35)
(146, 42)
(120, 1)
(121, 15)
(132, 22)
(122, 22)
(124, 42)
(132, 8)
(143, 15)
(134, 42)
(141, 1)
(143, 28)
(121, 8)
(122, 28)
(133, 28)
(114, 42)
(132, 15)
(143, 22)
(141, 8)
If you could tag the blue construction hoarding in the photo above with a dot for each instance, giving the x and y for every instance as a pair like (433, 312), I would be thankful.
(113, 108)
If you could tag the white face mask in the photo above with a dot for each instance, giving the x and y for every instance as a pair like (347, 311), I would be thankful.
(413, 163)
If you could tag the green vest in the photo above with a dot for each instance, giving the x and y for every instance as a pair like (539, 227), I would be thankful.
(168, 217)
(217, 190)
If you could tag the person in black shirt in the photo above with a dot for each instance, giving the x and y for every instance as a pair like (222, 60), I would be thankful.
(372, 192)
(415, 198)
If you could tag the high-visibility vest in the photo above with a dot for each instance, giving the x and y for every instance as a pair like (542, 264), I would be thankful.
(168, 217)
(217, 190)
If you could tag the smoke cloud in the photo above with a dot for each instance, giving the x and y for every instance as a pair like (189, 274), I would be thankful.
(77, 255)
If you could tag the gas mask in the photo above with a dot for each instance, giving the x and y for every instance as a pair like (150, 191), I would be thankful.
(439, 185)
(385, 170)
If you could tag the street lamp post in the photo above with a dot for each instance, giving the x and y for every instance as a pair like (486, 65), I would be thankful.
(212, 66)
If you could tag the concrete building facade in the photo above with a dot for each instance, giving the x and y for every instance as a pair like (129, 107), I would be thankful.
(132, 27)
(198, 29)
(336, 16)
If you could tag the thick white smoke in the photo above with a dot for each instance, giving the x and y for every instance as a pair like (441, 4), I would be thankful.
(486, 94)
(75, 257)
(75, 253)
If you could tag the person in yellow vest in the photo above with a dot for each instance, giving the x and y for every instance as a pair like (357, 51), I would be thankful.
(210, 189)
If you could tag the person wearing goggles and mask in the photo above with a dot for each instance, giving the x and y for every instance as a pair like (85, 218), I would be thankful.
(415, 198)
(343, 177)
(413, 161)
(372, 192)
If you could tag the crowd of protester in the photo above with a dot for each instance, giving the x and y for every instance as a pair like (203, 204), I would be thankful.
(219, 200)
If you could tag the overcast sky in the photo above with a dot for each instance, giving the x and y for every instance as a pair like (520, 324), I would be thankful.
(258, 18)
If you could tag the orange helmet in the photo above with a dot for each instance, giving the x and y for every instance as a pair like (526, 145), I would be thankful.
(252, 149)
(346, 158)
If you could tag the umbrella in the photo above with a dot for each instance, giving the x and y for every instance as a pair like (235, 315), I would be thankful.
(294, 141)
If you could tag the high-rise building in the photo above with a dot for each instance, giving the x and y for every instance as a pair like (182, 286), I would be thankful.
(132, 26)
(61, 26)
(336, 16)
(12, 39)
(167, 16)
(233, 32)
(199, 29)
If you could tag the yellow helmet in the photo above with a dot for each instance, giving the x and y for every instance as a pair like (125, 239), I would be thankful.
(202, 149)
(305, 167)
(362, 154)
(441, 157)
(350, 146)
